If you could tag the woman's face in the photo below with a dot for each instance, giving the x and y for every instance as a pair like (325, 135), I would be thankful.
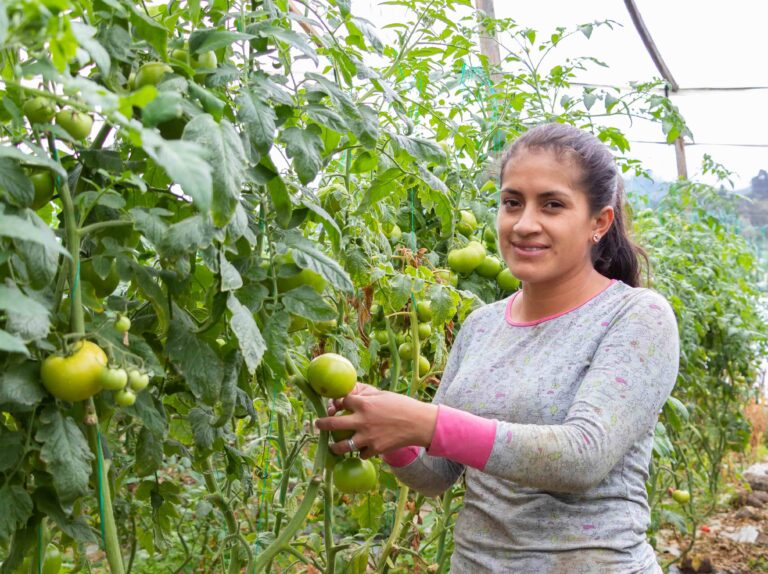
(544, 223)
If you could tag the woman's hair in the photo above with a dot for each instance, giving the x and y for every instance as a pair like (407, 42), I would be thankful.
(616, 256)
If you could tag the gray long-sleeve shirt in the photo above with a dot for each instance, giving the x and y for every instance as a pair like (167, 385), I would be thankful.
(576, 398)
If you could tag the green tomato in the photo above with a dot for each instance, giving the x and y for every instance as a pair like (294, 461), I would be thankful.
(39, 110)
(681, 496)
(76, 124)
(489, 235)
(424, 310)
(395, 233)
(324, 327)
(331, 375)
(179, 54)
(354, 476)
(52, 561)
(489, 268)
(381, 336)
(206, 60)
(43, 184)
(113, 379)
(405, 350)
(467, 222)
(301, 277)
(447, 277)
(151, 73)
(506, 281)
(125, 397)
(122, 324)
(377, 313)
(74, 377)
(138, 380)
(465, 260)
(477, 247)
(425, 331)
(424, 365)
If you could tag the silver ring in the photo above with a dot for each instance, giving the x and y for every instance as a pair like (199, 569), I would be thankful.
(351, 445)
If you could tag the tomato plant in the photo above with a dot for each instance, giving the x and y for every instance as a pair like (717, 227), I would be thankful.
(354, 476)
(257, 189)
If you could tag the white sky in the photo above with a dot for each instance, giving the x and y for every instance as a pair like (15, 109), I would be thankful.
(704, 44)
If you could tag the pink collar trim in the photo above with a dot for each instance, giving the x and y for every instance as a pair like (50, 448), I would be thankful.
(508, 310)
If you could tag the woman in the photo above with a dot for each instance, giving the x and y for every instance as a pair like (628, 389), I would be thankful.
(550, 397)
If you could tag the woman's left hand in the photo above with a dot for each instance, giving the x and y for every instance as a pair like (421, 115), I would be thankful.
(382, 421)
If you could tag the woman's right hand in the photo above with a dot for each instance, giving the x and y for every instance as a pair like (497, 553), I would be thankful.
(359, 389)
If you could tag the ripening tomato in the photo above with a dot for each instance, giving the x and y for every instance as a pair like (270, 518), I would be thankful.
(74, 377)
(122, 324)
(354, 476)
(331, 375)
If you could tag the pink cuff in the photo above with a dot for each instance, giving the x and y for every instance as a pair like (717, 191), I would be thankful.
(463, 437)
(402, 456)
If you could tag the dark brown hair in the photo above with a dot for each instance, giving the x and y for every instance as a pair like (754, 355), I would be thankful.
(616, 256)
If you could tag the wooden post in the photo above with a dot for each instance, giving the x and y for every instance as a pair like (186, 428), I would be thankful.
(489, 46)
(661, 66)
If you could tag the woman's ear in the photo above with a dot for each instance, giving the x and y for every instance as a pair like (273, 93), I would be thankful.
(603, 221)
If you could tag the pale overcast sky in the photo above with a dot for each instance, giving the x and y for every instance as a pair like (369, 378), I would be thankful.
(705, 44)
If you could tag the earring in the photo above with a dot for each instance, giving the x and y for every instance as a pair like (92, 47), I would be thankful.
(596, 238)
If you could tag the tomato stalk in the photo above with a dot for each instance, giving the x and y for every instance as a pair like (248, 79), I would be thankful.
(402, 497)
(77, 326)
(313, 488)
(218, 499)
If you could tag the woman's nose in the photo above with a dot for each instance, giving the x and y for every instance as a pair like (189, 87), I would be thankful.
(527, 223)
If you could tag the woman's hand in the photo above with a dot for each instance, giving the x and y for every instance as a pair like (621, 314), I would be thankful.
(382, 421)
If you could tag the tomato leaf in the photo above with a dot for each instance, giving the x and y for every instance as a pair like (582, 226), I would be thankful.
(205, 40)
(65, 451)
(306, 256)
(305, 147)
(17, 508)
(149, 453)
(247, 332)
(225, 153)
(368, 511)
(193, 359)
(76, 528)
(85, 37)
(11, 449)
(230, 277)
(258, 121)
(20, 387)
(18, 228)
(12, 344)
(277, 339)
(15, 183)
(308, 303)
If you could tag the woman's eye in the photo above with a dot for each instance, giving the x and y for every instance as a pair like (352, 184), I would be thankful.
(510, 203)
(553, 204)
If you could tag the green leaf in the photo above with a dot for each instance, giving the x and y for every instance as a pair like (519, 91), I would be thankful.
(193, 359)
(266, 30)
(17, 509)
(85, 37)
(262, 84)
(39, 159)
(152, 292)
(201, 422)
(230, 277)
(149, 30)
(18, 228)
(419, 148)
(443, 303)
(20, 387)
(247, 332)
(305, 147)
(149, 453)
(11, 449)
(11, 344)
(306, 256)
(365, 126)
(13, 299)
(278, 340)
(308, 303)
(15, 182)
(356, 562)
(380, 188)
(369, 31)
(258, 121)
(186, 236)
(330, 225)
(65, 451)
(205, 40)
(327, 117)
(185, 162)
(281, 200)
(151, 413)
(225, 153)
(368, 511)
(47, 503)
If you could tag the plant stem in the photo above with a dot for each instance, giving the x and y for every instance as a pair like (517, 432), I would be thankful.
(77, 326)
(402, 498)
(218, 499)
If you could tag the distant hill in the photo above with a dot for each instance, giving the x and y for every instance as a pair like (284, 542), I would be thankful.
(653, 189)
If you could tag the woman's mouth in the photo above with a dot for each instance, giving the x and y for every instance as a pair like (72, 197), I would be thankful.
(529, 249)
